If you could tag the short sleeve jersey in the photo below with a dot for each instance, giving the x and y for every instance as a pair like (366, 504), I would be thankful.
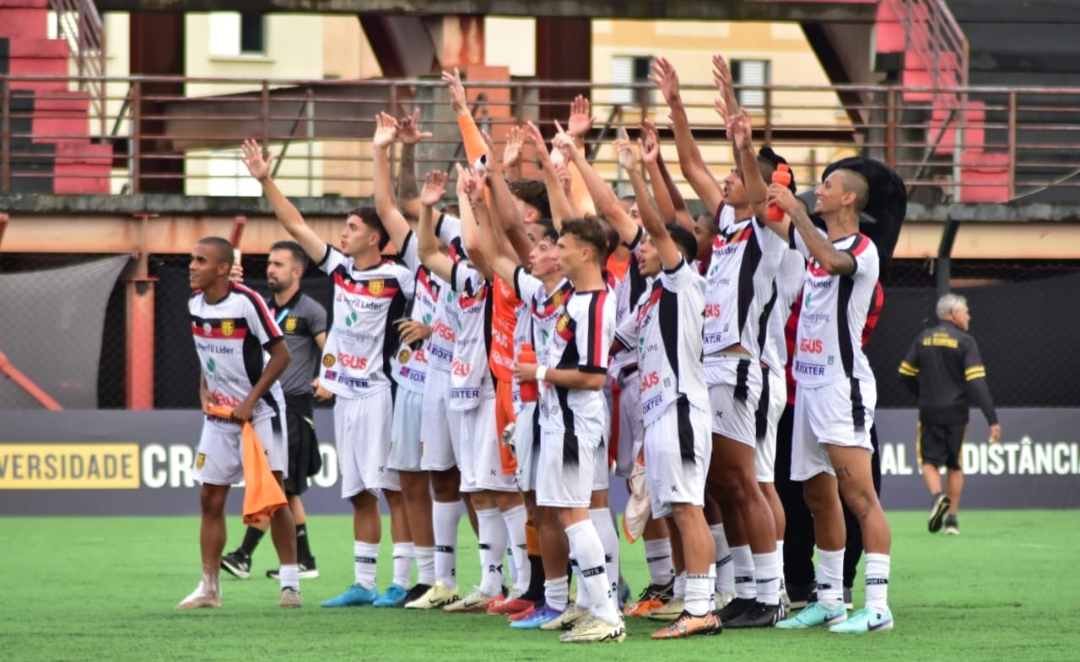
(536, 317)
(410, 365)
(789, 280)
(833, 315)
(628, 293)
(745, 258)
(230, 338)
(362, 340)
(668, 338)
(581, 341)
(470, 378)
(300, 319)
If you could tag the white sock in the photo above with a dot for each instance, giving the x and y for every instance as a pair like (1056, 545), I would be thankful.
(725, 568)
(712, 596)
(743, 560)
(583, 599)
(492, 540)
(557, 593)
(830, 573)
(609, 539)
(515, 519)
(365, 556)
(590, 555)
(445, 521)
(290, 575)
(425, 565)
(877, 582)
(679, 591)
(767, 578)
(658, 556)
(699, 592)
(404, 553)
(780, 560)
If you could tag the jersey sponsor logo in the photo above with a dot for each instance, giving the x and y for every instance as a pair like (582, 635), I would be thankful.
(440, 353)
(712, 310)
(811, 345)
(649, 380)
(352, 361)
(412, 375)
(227, 327)
(812, 369)
(460, 369)
(210, 348)
(226, 400)
(816, 318)
(328, 360)
(464, 393)
(651, 403)
(443, 331)
(290, 325)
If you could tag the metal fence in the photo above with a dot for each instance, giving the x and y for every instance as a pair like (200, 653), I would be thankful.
(180, 135)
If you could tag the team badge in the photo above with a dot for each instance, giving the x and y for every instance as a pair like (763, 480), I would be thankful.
(227, 327)
(564, 320)
(556, 299)
(376, 286)
(328, 360)
(200, 460)
(403, 357)
(290, 325)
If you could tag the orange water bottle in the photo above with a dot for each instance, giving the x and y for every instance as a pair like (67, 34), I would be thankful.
(530, 391)
(781, 176)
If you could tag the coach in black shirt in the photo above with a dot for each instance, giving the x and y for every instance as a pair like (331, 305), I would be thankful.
(944, 370)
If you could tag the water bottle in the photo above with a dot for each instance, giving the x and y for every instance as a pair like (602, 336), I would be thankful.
(530, 391)
(781, 176)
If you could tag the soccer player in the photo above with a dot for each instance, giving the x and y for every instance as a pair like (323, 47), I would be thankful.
(303, 322)
(232, 328)
(666, 335)
(573, 418)
(370, 292)
(944, 370)
(835, 398)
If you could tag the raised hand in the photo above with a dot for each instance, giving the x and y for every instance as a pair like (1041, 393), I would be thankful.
(723, 79)
(581, 121)
(564, 142)
(741, 130)
(562, 171)
(649, 143)
(511, 156)
(408, 129)
(252, 156)
(386, 131)
(666, 78)
(434, 188)
(474, 186)
(625, 152)
(457, 92)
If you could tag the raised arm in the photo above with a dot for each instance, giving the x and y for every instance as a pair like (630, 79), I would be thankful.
(408, 193)
(628, 160)
(287, 214)
(511, 157)
(386, 131)
(507, 219)
(606, 202)
(690, 160)
(427, 246)
(834, 261)
(561, 206)
(724, 84)
(756, 188)
(665, 192)
(475, 185)
(503, 263)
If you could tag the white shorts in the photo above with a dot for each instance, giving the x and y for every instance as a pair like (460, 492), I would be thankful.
(734, 391)
(405, 447)
(678, 449)
(566, 472)
(436, 450)
(362, 433)
(480, 462)
(219, 460)
(631, 428)
(527, 446)
(770, 409)
(840, 413)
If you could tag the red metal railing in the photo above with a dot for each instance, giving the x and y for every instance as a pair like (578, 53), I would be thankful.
(169, 142)
(79, 23)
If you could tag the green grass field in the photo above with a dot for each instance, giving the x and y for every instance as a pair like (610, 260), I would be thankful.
(105, 589)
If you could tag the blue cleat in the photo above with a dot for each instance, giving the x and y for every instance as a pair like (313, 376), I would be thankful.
(356, 596)
(865, 620)
(394, 595)
(813, 616)
(540, 616)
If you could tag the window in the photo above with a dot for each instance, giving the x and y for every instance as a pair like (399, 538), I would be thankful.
(753, 73)
(233, 34)
(626, 70)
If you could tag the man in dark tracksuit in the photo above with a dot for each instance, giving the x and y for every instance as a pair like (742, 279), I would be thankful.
(943, 368)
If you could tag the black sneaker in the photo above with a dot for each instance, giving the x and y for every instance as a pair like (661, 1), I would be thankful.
(415, 593)
(237, 564)
(799, 594)
(307, 570)
(759, 615)
(937, 512)
(952, 526)
(735, 609)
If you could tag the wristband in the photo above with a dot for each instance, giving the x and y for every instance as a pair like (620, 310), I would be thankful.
(541, 372)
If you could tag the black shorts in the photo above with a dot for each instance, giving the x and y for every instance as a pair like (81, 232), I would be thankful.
(940, 444)
(304, 457)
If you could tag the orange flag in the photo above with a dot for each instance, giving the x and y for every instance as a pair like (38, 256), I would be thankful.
(263, 495)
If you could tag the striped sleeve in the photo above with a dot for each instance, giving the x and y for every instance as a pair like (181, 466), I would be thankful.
(259, 319)
(589, 335)
(973, 364)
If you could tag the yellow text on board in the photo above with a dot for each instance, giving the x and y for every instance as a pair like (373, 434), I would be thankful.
(69, 466)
